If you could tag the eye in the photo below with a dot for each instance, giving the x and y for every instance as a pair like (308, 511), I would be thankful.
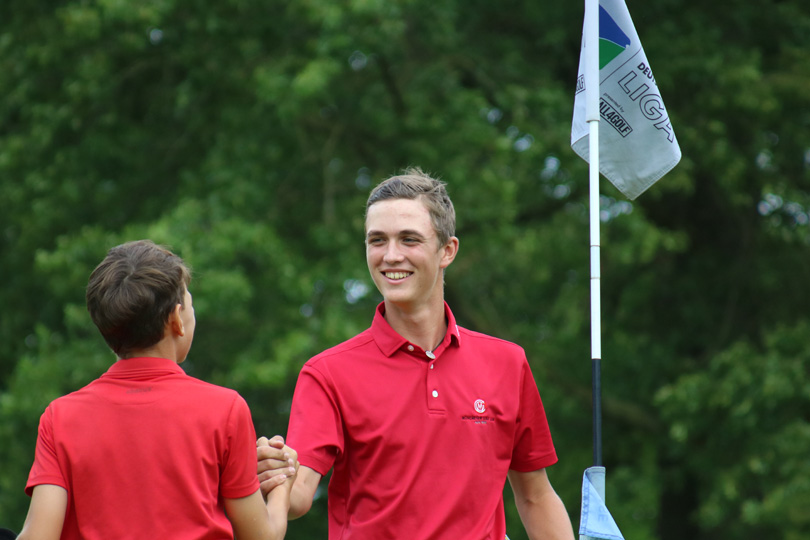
(374, 241)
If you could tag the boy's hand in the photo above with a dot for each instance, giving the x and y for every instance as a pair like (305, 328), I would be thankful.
(277, 463)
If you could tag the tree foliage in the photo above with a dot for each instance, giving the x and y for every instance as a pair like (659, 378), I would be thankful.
(246, 135)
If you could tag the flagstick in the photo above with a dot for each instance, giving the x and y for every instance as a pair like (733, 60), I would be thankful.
(596, 473)
(592, 117)
(594, 476)
(632, 166)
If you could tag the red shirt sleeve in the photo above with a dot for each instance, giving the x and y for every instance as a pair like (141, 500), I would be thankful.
(316, 426)
(533, 448)
(46, 469)
(239, 477)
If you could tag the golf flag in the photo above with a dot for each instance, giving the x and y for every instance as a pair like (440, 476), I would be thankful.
(637, 145)
(595, 521)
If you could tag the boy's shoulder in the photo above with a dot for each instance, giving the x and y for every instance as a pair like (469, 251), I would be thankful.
(481, 339)
(173, 387)
(344, 351)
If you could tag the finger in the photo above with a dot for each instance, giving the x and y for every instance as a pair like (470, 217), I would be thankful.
(271, 474)
(271, 465)
(268, 485)
(262, 441)
(286, 472)
(279, 465)
(276, 442)
(268, 452)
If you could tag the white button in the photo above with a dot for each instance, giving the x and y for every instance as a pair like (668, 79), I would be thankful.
(410, 347)
(431, 366)
(435, 393)
(430, 355)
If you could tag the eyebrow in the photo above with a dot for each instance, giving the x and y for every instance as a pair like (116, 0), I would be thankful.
(404, 232)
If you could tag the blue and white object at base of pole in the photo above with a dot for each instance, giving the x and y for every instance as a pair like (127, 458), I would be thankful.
(595, 519)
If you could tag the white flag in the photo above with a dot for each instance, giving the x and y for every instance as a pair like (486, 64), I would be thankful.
(637, 145)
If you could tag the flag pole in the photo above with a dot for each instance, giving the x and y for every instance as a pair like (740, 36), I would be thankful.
(592, 117)
(640, 147)
(594, 475)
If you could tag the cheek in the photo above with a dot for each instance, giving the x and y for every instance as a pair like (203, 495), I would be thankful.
(371, 264)
(374, 255)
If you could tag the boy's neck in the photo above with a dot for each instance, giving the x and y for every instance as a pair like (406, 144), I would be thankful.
(161, 349)
(425, 327)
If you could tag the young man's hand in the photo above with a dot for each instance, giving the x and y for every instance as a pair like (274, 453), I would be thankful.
(277, 463)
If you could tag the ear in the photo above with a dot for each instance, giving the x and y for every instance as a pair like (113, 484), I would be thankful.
(449, 251)
(175, 322)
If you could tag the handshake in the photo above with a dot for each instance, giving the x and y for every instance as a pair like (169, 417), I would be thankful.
(277, 464)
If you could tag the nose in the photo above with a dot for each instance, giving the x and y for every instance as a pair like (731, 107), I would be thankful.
(392, 253)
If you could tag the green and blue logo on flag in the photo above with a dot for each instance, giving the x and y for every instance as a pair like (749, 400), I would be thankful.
(612, 40)
(641, 146)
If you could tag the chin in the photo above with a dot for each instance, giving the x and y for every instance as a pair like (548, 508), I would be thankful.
(401, 299)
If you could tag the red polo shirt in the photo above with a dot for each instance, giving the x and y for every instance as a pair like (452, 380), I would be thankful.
(420, 446)
(146, 451)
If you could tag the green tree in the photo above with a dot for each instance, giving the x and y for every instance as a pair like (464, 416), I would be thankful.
(246, 135)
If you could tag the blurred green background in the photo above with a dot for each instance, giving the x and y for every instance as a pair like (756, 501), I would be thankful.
(246, 135)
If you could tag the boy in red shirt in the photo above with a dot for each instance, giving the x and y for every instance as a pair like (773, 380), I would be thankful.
(111, 457)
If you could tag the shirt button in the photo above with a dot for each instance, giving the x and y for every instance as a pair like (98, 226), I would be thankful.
(431, 366)
(430, 355)
(435, 393)
(410, 348)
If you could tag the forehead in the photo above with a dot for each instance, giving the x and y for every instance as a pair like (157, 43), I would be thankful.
(393, 215)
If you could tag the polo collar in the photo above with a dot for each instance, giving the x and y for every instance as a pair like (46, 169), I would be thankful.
(389, 341)
(130, 368)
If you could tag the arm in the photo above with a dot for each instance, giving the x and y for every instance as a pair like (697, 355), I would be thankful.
(303, 492)
(249, 515)
(541, 509)
(46, 515)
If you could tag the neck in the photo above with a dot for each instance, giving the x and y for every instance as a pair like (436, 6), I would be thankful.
(162, 349)
(425, 326)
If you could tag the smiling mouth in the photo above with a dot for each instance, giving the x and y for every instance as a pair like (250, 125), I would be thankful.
(396, 275)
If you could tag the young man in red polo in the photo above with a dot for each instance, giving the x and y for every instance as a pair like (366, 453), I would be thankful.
(421, 420)
(112, 459)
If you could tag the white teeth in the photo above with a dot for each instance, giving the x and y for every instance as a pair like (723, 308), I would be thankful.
(396, 275)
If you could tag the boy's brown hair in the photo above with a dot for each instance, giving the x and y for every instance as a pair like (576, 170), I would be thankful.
(132, 292)
(415, 184)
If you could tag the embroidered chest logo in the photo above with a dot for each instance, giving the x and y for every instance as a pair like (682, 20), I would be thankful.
(480, 407)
